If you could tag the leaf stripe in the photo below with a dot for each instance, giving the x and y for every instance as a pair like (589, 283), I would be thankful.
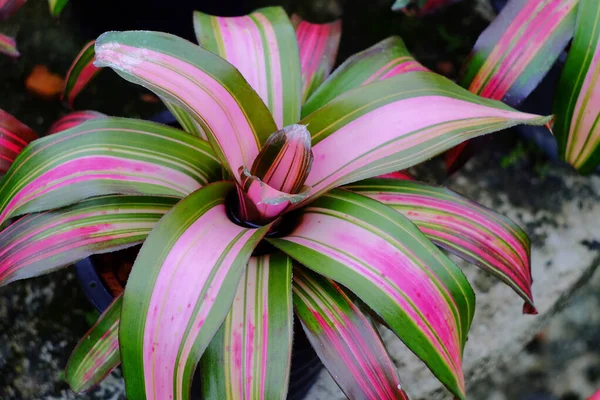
(81, 72)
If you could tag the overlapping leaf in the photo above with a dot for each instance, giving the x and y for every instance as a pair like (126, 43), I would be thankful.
(346, 150)
(106, 156)
(463, 227)
(250, 356)
(81, 72)
(14, 137)
(8, 46)
(345, 339)
(386, 261)
(73, 119)
(318, 45)
(383, 60)
(577, 101)
(180, 291)
(263, 47)
(210, 89)
(40, 243)
(9, 7)
(97, 353)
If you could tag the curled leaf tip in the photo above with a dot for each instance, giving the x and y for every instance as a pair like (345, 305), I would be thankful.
(529, 308)
(399, 5)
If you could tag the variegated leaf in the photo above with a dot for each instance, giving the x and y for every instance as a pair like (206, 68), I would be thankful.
(250, 356)
(345, 339)
(462, 227)
(73, 119)
(519, 47)
(263, 47)
(318, 45)
(383, 60)
(180, 291)
(210, 89)
(386, 261)
(420, 7)
(8, 46)
(97, 353)
(14, 137)
(577, 100)
(40, 243)
(106, 156)
(81, 72)
(385, 126)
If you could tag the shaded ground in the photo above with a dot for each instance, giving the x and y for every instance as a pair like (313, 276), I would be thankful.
(41, 320)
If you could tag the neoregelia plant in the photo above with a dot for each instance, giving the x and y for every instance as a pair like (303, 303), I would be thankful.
(518, 49)
(255, 222)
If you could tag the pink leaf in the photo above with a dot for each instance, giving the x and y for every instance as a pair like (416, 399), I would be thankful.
(8, 46)
(318, 45)
(9, 7)
(73, 119)
(14, 137)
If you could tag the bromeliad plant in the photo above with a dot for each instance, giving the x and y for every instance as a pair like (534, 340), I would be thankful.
(512, 56)
(276, 211)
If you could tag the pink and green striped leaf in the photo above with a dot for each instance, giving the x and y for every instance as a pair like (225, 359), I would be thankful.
(73, 119)
(8, 46)
(106, 156)
(577, 100)
(318, 45)
(180, 291)
(40, 243)
(420, 7)
(250, 356)
(389, 264)
(519, 47)
(263, 47)
(14, 137)
(204, 85)
(595, 396)
(345, 339)
(383, 60)
(462, 227)
(9, 7)
(81, 72)
(394, 124)
(97, 353)
(56, 6)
